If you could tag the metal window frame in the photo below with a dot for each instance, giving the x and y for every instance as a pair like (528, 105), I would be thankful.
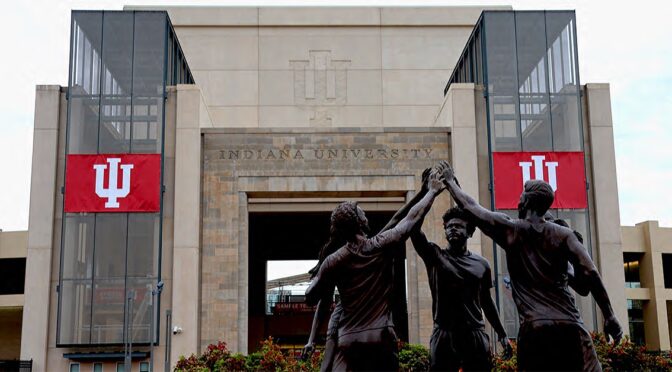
(183, 70)
(480, 31)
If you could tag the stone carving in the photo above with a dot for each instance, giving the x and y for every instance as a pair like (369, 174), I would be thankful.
(320, 82)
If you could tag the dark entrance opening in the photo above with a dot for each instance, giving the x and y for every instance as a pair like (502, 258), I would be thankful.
(282, 247)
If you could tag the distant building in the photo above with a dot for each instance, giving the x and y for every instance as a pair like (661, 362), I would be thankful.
(193, 145)
(647, 262)
(13, 245)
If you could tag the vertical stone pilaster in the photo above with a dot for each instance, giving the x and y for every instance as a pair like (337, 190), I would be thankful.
(605, 194)
(187, 212)
(38, 289)
(460, 109)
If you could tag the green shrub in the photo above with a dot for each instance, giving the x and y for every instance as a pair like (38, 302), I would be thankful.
(253, 362)
(236, 362)
(624, 356)
(627, 356)
(413, 358)
(506, 363)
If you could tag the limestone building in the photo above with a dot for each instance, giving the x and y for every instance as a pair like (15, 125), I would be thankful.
(647, 262)
(237, 130)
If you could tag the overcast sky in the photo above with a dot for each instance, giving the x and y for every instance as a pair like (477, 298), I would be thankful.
(627, 44)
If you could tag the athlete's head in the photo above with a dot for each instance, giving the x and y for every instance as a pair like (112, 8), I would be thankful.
(348, 220)
(457, 227)
(537, 197)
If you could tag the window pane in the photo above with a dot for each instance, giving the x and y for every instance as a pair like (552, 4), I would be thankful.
(75, 321)
(561, 47)
(120, 367)
(142, 307)
(110, 254)
(85, 58)
(97, 367)
(144, 367)
(535, 120)
(115, 125)
(148, 53)
(117, 52)
(578, 220)
(74, 367)
(143, 245)
(78, 246)
(501, 53)
(535, 123)
(13, 275)
(531, 52)
(502, 81)
(147, 114)
(566, 127)
(108, 311)
(83, 126)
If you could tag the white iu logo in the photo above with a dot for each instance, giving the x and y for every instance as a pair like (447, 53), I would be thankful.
(112, 192)
(538, 161)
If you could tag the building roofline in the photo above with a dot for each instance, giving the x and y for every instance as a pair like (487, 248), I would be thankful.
(322, 16)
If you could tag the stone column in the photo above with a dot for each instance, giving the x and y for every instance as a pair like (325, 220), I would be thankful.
(653, 278)
(459, 113)
(186, 233)
(34, 341)
(605, 193)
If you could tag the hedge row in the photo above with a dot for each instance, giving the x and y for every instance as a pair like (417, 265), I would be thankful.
(626, 356)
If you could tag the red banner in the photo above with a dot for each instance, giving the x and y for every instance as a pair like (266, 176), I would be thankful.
(564, 171)
(113, 183)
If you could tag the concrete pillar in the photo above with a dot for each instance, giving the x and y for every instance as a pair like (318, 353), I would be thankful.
(186, 233)
(43, 190)
(459, 113)
(656, 329)
(605, 193)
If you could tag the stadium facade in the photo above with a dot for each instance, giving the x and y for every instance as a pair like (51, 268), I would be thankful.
(197, 146)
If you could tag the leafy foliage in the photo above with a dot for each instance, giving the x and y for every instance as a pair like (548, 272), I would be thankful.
(413, 358)
(506, 363)
(270, 357)
(624, 356)
(627, 356)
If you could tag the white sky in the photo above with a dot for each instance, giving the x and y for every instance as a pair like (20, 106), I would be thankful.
(627, 44)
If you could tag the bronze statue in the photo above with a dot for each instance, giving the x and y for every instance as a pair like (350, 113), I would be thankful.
(460, 283)
(362, 272)
(551, 336)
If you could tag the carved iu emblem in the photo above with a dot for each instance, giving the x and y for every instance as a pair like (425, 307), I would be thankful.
(539, 163)
(320, 81)
(113, 192)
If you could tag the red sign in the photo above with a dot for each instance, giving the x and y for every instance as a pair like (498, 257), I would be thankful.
(113, 183)
(564, 171)
(292, 307)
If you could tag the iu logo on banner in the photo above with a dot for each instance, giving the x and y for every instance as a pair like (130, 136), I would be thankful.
(564, 171)
(113, 183)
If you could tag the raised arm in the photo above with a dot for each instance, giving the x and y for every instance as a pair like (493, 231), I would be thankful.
(403, 211)
(497, 226)
(586, 270)
(403, 229)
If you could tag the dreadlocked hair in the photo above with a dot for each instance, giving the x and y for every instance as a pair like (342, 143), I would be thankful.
(345, 223)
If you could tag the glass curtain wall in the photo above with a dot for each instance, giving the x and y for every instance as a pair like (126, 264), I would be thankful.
(119, 68)
(527, 63)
